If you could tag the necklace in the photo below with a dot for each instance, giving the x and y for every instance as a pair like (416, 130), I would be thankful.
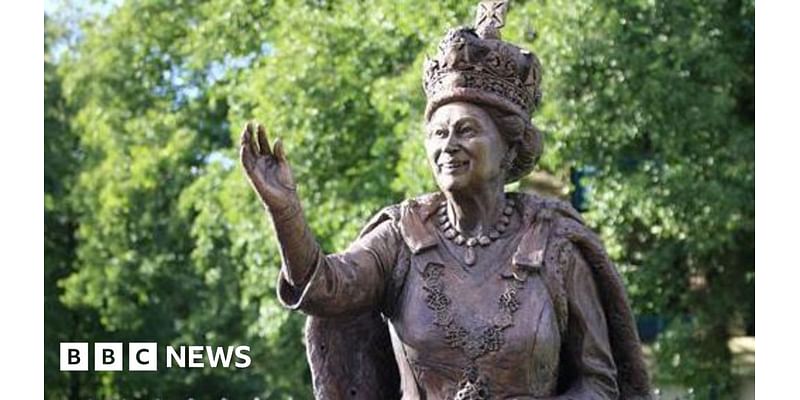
(474, 343)
(484, 239)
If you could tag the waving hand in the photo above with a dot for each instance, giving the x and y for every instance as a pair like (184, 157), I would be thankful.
(267, 169)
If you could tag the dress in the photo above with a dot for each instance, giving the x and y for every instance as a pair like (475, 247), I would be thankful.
(526, 321)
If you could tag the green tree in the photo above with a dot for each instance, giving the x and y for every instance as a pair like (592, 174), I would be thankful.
(61, 155)
(659, 97)
(148, 85)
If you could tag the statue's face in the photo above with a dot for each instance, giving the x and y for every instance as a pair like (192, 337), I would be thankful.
(464, 147)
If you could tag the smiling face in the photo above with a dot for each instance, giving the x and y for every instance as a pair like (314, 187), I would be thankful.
(464, 147)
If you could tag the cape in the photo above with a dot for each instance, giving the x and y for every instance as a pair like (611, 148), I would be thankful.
(352, 358)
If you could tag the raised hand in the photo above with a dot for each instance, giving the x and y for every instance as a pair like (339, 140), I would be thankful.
(267, 169)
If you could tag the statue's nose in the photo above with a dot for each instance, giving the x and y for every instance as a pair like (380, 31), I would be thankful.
(451, 144)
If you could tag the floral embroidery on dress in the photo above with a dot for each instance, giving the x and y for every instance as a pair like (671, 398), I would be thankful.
(474, 344)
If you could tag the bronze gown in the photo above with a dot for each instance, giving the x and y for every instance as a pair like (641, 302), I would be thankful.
(525, 321)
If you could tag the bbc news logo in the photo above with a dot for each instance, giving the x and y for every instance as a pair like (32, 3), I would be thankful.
(74, 356)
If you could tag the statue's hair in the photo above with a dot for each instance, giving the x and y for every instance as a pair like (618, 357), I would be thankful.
(523, 138)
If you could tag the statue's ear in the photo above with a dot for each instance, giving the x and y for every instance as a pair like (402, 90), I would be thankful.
(508, 159)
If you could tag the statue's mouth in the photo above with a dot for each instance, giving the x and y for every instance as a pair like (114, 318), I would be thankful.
(453, 166)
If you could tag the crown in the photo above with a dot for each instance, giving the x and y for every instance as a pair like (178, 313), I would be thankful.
(474, 64)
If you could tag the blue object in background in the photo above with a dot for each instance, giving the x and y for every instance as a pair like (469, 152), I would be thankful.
(649, 326)
(581, 195)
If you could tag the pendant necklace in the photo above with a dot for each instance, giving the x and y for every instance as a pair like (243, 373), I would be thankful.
(484, 239)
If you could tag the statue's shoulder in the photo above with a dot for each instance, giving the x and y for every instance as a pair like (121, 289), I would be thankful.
(566, 221)
(535, 206)
(563, 221)
(409, 218)
(409, 212)
(419, 208)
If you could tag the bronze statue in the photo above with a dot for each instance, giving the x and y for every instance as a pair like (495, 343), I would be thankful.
(471, 292)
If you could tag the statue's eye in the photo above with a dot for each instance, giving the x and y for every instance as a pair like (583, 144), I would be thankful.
(468, 131)
(440, 133)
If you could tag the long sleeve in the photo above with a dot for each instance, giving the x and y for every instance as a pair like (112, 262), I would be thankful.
(299, 249)
(587, 343)
(346, 283)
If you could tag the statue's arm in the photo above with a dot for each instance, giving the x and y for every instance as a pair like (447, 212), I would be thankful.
(587, 347)
(349, 282)
(270, 175)
(311, 281)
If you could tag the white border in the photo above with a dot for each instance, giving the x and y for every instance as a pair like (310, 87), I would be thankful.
(777, 191)
(21, 191)
(21, 160)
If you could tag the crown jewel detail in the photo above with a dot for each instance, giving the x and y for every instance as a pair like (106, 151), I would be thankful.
(474, 64)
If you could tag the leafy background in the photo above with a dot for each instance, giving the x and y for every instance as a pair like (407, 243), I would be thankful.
(152, 234)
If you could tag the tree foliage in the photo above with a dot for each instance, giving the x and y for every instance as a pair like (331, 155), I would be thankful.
(659, 97)
(153, 235)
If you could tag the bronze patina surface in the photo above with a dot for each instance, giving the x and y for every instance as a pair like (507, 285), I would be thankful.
(470, 292)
